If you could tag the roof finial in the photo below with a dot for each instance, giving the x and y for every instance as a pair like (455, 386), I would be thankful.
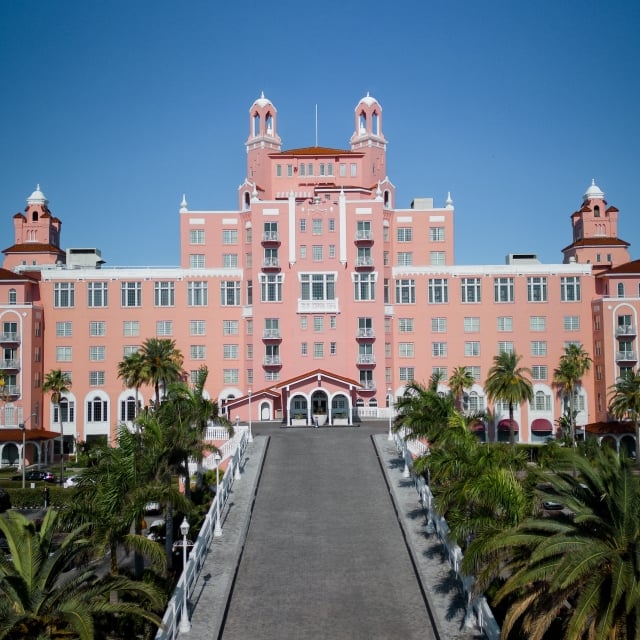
(262, 95)
(449, 201)
(183, 204)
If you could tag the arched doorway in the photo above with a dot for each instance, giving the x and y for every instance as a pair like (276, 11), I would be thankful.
(265, 411)
(319, 406)
(628, 444)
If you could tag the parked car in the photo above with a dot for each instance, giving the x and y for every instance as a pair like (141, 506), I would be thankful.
(71, 481)
(152, 508)
(36, 476)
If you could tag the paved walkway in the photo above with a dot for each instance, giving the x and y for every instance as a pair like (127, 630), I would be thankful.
(326, 556)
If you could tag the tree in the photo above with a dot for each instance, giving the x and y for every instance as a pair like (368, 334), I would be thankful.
(507, 382)
(460, 379)
(625, 403)
(39, 600)
(573, 365)
(132, 371)
(57, 382)
(162, 363)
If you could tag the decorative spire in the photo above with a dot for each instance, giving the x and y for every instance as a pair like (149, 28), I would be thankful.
(378, 192)
(37, 197)
(449, 201)
(183, 204)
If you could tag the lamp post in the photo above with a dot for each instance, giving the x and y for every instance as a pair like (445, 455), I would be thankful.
(185, 624)
(217, 530)
(23, 428)
(250, 434)
(390, 436)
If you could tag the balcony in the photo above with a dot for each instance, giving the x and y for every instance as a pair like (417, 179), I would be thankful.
(9, 336)
(271, 263)
(10, 364)
(9, 391)
(271, 334)
(318, 306)
(364, 236)
(368, 385)
(272, 361)
(626, 330)
(271, 237)
(364, 262)
(366, 360)
(626, 356)
(366, 334)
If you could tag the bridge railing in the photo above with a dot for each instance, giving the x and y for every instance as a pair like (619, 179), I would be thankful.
(169, 629)
(476, 605)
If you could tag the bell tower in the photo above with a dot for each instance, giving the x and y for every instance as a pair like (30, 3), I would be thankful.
(369, 139)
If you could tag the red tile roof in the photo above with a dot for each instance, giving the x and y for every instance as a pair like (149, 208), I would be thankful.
(33, 247)
(614, 428)
(15, 435)
(5, 274)
(317, 151)
(598, 242)
(631, 268)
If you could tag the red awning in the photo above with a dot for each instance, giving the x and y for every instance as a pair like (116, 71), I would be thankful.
(542, 425)
(478, 427)
(504, 425)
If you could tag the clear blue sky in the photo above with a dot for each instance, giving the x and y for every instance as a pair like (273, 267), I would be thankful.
(117, 107)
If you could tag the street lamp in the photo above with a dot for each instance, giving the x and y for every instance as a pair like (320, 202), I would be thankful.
(217, 531)
(390, 436)
(23, 428)
(185, 624)
(250, 434)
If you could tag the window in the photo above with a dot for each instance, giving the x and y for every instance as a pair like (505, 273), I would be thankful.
(279, 170)
(96, 378)
(571, 323)
(249, 327)
(128, 409)
(13, 296)
(407, 374)
(131, 328)
(570, 289)
(67, 411)
(440, 372)
(471, 325)
(271, 287)
(198, 327)
(317, 253)
(332, 251)
(64, 354)
(405, 325)
(333, 322)
(164, 328)
(405, 258)
(439, 349)
(131, 294)
(270, 231)
(303, 252)
(541, 401)
(387, 349)
(63, 294)
(318, 349)
(318, 323)
(196, 236)
(505, 347)
(303, 323)
(229, 236)
(538, 348)
(249, 352)
(97, 294)
(503, 289)
(229, 293)
(436, 258)
(364, 286)
(471, 349)
(436, 234)
(230, 351)
(304, 349)
(196, 261)
(97, 328)
(128, 349)
(316, 226)
(342, 170)
(363, 230)
(197, 352)
(333, 348)
(406, 350)
(97, 409)
(366, 379)
(164, 295)
(439, 325)
(538, 323)
(438, 291)
(539, 372)
(505, 323)
(64, 329)
(404, 234)
(620, 290)
(197, 294)
(272, 376)
(317, 286)
(230, 376)
(470, 288)
(96, 353)
(537, 289)
(270, 258)
(353, 169)
(405, 291)
(475, 372)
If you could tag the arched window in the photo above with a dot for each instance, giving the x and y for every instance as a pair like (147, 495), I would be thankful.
(269, 123)
(34, 216)
(256, 124)
(97, 410)
(67, 411)
(373, 402)
(362, 122)
(596, 211)
(359, 402)
(13, 296)
(247, 200)
(128, 409)
(387, 199)
(620, 289)
(375, 124)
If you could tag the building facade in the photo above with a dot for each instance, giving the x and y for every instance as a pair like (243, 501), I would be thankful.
(317, 299)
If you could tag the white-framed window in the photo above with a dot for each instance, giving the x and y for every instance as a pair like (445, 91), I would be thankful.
(436, 234)
(131, 294)
(318, 349)
(97, 294)
(475, 372)
(229, 293)
(196, 261)
(405, 258)
(538, 323)
(304, 320)
(406, 350)
(438, 290)
(317, 253)
(197, 352)
(571, 323)
(304, 349)
(537, 289)
(196, 236)
(439, 349)
(63, 295)
(230, 352)
(130, 328)
(97, 328)
(503, 289)
(97, 353)
(64, 354)
(303, 252)
(302, 225)
(505, 324)
(316, 226)
(364, 286)
(333, 322)
(97, 408)
(229, 328)
(470, 290)
(437, 258)
(407, 374)
(440, 371)
(541, 401)
(271, 287)
(230, 376)
(439, 325)
(332, 251)
(67, 409)
(164, 294)
(505, 347)
(229, 236)
(164, 328)
(128, 409)
(198, 294)
(405, 325)
(404, 234)
(472, 349)
(570, 289)
(538, 348)
(64, 329)
(199, 327)
(406, 291)
(317, 286)
(96, 378)
(474, 402)
(128, 349)
(353, 170)
(471, 324)
(249, 352)
(318, 323)
(539, 372)
(333, 348)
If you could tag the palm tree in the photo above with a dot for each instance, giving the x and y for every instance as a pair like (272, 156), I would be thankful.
(625, 402)
(162, 363)
(507, 382)
(39, 600)
(58, 383)
(573, 365)
(131, 370)
(460, 379)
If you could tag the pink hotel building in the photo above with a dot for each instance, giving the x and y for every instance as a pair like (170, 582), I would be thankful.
(317, 298)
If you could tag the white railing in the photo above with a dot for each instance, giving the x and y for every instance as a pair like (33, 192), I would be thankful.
(216, 432)
(173, 613)
(476, 605)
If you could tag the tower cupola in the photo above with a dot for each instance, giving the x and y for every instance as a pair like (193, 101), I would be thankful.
(263, 124)
(368, 123)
